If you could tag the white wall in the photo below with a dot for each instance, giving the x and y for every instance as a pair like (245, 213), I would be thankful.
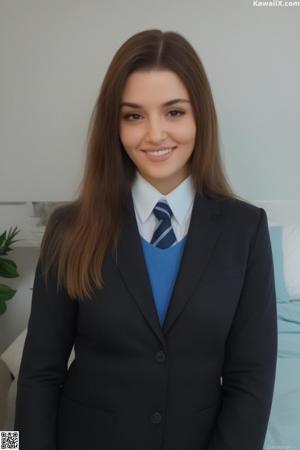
(54, 54)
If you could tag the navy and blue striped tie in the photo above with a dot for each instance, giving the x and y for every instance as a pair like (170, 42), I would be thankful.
(163, 236)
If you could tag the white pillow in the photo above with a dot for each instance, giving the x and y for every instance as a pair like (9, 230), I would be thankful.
(13, 354)
(291, 259)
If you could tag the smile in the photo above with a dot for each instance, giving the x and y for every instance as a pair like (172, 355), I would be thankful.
(160, 155)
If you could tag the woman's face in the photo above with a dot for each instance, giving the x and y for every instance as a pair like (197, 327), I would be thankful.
(149, 124)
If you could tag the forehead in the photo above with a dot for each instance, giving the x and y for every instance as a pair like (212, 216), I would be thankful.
(153, 86)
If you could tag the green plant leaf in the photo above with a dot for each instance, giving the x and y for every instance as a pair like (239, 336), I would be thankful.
(2, 237)
(2, 307)
(11, 234)
(7, 241)
(6, 292)
(8, 268)
(10, 261)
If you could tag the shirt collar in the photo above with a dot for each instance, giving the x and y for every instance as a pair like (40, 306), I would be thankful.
(145, 197)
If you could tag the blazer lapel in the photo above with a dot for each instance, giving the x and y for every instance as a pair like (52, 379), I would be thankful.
(201, 238)
(203, 231)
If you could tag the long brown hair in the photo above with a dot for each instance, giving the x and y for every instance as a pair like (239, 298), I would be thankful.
(78, 235)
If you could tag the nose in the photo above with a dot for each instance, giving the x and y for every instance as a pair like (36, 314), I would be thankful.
(156, 132)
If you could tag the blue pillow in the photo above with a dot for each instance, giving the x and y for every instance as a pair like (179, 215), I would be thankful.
(277, 252)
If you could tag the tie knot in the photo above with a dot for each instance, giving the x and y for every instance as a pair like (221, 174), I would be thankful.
(162, 211)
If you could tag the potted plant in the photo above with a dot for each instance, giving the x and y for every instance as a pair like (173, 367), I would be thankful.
(8, 268)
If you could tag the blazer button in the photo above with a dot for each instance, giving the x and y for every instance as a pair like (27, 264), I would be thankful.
(156, 417)
(160, 356)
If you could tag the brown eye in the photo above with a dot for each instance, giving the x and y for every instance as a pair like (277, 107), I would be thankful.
(127, 116)
(181, 113)
(174, 113)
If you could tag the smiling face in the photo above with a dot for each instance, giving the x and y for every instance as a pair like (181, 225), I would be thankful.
(152, 124)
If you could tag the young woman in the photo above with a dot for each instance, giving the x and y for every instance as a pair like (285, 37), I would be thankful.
(159, 275)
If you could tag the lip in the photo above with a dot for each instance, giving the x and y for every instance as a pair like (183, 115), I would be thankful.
(158, 158)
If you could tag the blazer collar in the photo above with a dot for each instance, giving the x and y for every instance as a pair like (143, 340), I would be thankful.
(203, 232)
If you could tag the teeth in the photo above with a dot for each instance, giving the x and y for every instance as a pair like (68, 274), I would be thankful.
(161, 152)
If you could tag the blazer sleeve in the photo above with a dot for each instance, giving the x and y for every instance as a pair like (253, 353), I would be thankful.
(249, 368)
(47, 347)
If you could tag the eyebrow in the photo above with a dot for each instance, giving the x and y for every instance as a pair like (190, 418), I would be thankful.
(168, 103)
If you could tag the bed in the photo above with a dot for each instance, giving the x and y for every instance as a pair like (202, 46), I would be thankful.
(283, 431)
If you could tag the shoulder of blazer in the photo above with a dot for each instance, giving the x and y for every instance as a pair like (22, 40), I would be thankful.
(240, 206)
(240, 213)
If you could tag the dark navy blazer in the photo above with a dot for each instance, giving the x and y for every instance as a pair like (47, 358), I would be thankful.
(203, 381)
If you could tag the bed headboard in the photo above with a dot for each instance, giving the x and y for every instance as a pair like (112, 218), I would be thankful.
(280, 212)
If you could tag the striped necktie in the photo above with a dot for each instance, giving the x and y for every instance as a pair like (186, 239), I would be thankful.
(163, 236)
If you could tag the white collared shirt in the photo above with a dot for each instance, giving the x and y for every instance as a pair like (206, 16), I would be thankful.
(181, 200)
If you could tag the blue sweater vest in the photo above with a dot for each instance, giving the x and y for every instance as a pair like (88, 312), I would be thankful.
(162, 266)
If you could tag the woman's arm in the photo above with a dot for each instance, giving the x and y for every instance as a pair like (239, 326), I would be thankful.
(251, 353)
(47, 347)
